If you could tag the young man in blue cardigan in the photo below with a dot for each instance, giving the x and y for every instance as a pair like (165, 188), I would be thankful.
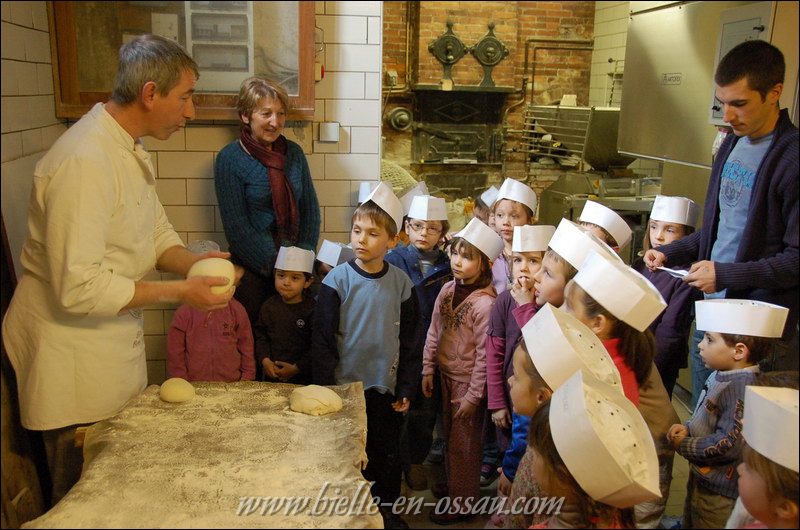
(748, 244)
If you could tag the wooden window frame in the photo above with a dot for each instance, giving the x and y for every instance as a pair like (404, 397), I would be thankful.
(71, 103)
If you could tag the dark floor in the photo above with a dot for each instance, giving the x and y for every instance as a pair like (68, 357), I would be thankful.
(674, 506)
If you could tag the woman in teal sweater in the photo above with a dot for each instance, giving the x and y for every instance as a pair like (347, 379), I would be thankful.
(264, 190)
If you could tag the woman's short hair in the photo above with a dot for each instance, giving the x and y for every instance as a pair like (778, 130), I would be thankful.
(150, 58)
(255, 88)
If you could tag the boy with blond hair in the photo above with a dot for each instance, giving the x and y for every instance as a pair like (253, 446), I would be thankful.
(738, 334)
(365, 329)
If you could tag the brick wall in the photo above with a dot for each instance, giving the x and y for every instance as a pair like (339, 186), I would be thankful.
(558, 73)
(350, 94)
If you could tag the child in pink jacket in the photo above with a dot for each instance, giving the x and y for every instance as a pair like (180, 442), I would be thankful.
(455, 343)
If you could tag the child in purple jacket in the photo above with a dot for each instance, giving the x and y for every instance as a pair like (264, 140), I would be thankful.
(670, 219)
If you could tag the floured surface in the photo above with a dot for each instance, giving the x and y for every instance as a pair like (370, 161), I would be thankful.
(160, 464)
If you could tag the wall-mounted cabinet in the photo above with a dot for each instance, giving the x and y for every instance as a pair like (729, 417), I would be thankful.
(229, 40)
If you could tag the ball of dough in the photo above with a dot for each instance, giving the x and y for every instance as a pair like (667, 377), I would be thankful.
(315, 400)
(176, 390)
(214, 267)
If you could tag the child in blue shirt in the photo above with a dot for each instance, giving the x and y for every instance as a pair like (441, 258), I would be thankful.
(365, 329)
(429, 268)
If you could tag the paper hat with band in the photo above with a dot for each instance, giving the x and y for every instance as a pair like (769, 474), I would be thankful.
(770, 423)
(334, 254)
(574, 244)
(364, 189)
(428, 208)
(489, 196)
(532, 238)
(596, 213)
(484, 238)
(604, 442)
(517, 191)
(741, 317)
(679, 210)
(387, 201)
(418, 190)
(559, 344)
(295, 259)
(622, 291)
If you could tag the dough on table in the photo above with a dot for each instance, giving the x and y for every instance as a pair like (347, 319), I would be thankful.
(315, 400)
(176, 390)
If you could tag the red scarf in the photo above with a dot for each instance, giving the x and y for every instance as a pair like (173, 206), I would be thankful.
(287, 215)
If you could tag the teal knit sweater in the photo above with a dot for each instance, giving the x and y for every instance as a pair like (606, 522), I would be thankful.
(245, 204)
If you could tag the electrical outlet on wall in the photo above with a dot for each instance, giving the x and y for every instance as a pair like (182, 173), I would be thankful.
(391, 78)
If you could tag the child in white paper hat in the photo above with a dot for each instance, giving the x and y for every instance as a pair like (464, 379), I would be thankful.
(483, 208)
(768, 476)
(555, 345)
(365, 329)
(428, 267)
(606, 224)
(420, 189)
(330, 255)
(619, 305)
(455, 344)
(283, 329)
(738, 334)
(567, 250)
(214, 345)
(671, 219)
(740, 517)
(528, 248)
(592, 447)
(515, 205)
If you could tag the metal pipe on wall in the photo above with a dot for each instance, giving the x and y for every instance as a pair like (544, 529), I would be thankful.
(553, 44)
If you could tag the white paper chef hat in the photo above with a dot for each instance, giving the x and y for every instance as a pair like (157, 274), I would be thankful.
(771, 423)
(678, 210)
(428, 208)
(559, 344)
(741, 317)
(605, 217)
(604, 442)
(532, 238)
(295, 259)
(364, 189)
(484, 238)
(574, 244)
(419, 189)
(334, 254)
(517, 191)
(489, 196)
(387, 201)
(622, 291)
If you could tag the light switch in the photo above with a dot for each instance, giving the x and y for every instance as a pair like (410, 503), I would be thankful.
(329, 132)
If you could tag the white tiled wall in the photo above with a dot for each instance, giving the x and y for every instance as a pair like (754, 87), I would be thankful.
(29, 125)
(350, 94)
(610, 31)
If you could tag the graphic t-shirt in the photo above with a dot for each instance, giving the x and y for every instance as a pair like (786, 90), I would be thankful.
(736, 186)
